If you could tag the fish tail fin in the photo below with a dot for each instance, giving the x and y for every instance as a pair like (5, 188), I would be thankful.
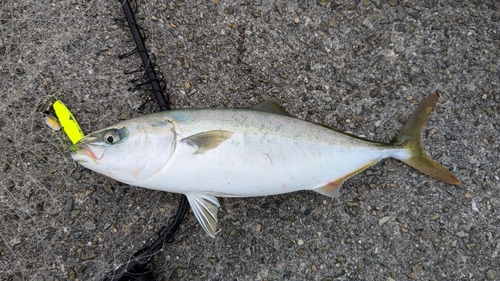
(410, 138)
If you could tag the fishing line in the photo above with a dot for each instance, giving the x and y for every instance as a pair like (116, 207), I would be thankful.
(138, 266)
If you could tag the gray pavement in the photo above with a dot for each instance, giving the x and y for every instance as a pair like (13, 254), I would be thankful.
(360, 66)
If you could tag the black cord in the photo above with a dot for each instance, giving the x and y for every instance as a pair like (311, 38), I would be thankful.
(137, 266)
(143, 52)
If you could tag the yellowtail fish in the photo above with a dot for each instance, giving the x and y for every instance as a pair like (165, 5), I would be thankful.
(263, 150)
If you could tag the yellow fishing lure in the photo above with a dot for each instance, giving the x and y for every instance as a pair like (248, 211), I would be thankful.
(68, 122)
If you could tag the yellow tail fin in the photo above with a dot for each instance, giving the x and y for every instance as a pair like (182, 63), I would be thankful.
(410, 137)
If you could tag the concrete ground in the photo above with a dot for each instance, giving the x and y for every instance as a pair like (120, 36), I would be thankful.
(360, 66)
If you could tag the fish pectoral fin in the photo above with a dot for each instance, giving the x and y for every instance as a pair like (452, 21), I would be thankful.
(331, 189)
(206, 141)
(271, 107)
(205, 209)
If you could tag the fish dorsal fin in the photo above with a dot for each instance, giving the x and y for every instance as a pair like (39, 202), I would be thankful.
(331, 189)
(206, 141)
(205, 209)
(271, 107)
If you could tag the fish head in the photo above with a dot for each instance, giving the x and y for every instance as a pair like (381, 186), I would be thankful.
(129, 152)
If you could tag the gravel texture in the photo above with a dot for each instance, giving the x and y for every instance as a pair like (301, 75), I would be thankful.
(361, 66)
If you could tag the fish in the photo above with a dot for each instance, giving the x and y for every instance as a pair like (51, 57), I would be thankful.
(259, 151)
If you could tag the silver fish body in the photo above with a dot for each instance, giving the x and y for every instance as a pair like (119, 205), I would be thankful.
(205, 153)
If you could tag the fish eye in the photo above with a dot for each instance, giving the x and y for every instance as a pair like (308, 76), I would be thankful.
(111, 137)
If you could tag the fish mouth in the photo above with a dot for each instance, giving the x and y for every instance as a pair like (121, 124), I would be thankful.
(84, 150)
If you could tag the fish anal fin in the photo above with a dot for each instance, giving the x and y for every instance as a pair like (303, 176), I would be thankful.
(332, 189)
(271, 107)
(206, 141)
(205, 209)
